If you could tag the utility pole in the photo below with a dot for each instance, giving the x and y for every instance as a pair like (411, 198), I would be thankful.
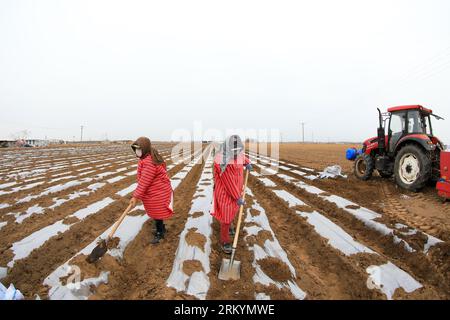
(303, 131)
(82, 127)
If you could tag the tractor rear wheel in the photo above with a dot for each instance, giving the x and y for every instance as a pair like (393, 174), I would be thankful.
(364, 166)
(412, 168)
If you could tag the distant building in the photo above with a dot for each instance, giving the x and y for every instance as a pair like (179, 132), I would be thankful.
(32, 143)
(5, 143)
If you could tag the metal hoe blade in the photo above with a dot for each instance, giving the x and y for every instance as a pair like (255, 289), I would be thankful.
(98, 252)
(230, 269)
(230, 272)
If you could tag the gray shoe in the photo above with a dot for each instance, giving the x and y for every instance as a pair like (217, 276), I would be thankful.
(155, 232)
(157, 239)
(227, 248)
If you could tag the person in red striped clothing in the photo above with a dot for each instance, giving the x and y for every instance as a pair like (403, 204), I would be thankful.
(229, 166)
(154, 188)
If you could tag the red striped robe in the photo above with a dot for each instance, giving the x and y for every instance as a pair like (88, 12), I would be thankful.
(228, 187)
(154, 189)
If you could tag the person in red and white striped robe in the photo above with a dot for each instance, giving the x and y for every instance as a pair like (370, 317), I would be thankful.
(154, 188)
(229, 166)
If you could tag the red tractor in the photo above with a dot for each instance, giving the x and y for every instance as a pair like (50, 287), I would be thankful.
(408, 150)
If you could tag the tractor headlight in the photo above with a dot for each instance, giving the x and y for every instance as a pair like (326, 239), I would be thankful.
(431, 145)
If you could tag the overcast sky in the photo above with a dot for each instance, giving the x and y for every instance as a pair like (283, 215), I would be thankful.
(130, 68)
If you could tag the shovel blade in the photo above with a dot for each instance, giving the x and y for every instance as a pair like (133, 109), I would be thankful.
(98, 252)
(230, 272)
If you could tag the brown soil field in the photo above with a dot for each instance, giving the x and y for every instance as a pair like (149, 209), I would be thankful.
(302, 237)
(318, 155)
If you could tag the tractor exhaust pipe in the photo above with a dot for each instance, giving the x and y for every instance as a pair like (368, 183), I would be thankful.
(381, 134)
(380, 118)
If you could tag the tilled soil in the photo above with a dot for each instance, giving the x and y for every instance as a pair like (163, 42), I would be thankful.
(29, 273)
(243, 289)
(417, 263)
(14, 231)
(426, 268)
(423, 210)
(275, 269)
(321, 271)
(144, 268)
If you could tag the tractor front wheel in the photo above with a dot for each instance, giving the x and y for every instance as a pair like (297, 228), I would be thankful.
(412, 168)
(364, 166)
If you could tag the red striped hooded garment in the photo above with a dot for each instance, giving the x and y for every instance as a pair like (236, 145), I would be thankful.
(228, 187)
(154, 188)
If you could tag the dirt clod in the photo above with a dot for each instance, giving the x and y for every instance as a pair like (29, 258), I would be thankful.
(70, 220)
(307, 209)
(113, 243)
(325, 194)
(276, 269)
(194, 238)
(263, 236)
(254, 212)
(197, 214)
(191, 266)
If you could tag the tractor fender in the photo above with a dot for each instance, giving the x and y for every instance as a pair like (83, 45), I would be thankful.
(421, 140)
(438, 142)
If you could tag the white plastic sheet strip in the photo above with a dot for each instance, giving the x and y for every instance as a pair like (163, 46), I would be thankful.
(127, 232)
(271, 248)
(198, 283)
(387, 278)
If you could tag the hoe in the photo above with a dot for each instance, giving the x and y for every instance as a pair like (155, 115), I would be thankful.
(231, 269)
(102, 247)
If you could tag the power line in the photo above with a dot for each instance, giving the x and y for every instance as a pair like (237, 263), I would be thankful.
(429, 68)
(424, 66)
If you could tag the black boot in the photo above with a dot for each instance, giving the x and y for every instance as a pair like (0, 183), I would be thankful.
(163, 230)
(158, 226)
(159, 233)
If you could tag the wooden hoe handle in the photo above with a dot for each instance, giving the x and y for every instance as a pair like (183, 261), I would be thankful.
(116, 226)
(241, 211)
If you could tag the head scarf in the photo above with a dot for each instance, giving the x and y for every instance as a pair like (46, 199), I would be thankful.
(232, 147)
(146, 147)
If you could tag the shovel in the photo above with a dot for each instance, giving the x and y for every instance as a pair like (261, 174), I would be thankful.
(231, 269)
(102, 245)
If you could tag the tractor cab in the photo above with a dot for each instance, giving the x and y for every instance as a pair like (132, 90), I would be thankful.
(408, 122)
(408, 148)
